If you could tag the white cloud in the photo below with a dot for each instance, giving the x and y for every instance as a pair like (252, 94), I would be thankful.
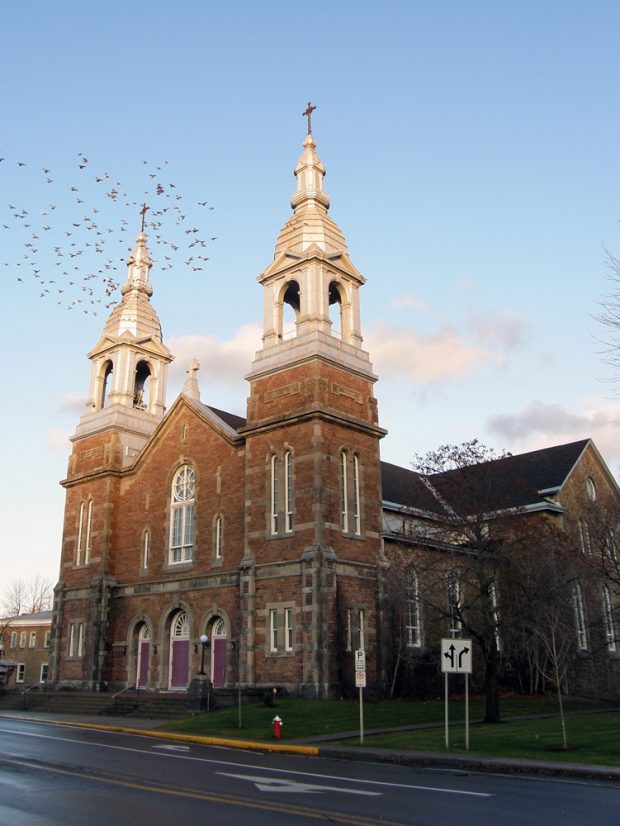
(401, 302)
(72, 403)
(402, 353)
(540, 424)
(58, 439)
(503, 330)
(221, 362)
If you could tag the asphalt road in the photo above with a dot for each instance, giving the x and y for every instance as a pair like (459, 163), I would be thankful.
(50, 774)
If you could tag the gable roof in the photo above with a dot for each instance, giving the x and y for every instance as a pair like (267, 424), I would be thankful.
(521, 481)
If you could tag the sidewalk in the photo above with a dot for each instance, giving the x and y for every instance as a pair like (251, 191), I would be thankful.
(462, 762)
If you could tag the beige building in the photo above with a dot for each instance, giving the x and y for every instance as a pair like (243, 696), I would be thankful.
(25, 642)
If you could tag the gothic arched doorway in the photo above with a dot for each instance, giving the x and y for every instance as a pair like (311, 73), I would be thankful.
(179, 652)
(144, 652)
(218, 653)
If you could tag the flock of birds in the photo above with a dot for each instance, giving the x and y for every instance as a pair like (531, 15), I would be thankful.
(73, 244)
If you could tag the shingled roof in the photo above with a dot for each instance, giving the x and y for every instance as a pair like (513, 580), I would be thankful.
(525, 480)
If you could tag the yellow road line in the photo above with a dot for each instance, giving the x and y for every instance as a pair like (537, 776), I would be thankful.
(246, 803)
(250, 745)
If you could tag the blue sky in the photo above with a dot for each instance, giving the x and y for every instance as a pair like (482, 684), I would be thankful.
(471, 153)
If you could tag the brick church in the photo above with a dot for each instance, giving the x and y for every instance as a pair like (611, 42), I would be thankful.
(269, 535)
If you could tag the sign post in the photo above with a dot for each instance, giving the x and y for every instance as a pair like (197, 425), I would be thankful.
(456, 659)
(360, 682)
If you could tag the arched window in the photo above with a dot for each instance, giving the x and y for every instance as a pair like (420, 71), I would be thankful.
(357, 519)
(288, 491)
(218, 537)
(146, 548)
(412, 613)
(344, 493)
(454, 606)
(180, 626)
(580, 619)
(182, 515)
(85, 518)
(495, 615)
(610, 626)
(584, 535)
(350, 501)
(274, 484)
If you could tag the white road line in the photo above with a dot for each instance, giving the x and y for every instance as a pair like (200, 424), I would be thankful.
(220, 763)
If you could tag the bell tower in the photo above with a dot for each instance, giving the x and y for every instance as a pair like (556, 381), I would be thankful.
(313, 511)
(129, 364)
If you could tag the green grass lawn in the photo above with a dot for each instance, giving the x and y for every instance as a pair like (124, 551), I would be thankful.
(593, 738)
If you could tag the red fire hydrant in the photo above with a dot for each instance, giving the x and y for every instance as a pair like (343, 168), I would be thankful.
(277, 727)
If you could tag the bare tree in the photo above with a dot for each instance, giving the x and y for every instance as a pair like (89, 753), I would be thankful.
(609, 317)
(27, 597)
(465, 480)
(547, 583)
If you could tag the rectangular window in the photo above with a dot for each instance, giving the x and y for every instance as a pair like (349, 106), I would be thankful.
(44, 673)
(21, 673)
(13, 639)
(288, 629)
(22, 639)
(182, 544)
(357, 524)
(89, 521)
(33, 640)
(273, 629)
(580, 619)
(76, 639)
(46, 639)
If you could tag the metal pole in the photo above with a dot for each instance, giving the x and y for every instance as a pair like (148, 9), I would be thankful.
(361, 717)
(466, 712)
(446, 709)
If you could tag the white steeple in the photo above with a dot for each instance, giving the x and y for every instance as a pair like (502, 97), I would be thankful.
(310, 273)
(130, 361)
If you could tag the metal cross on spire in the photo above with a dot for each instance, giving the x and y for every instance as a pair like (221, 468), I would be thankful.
(308, 114)
(143, 214)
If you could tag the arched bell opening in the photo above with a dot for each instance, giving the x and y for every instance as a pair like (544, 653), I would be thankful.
(106, 383)
(288, 310)
(142, 385)
(336, 318)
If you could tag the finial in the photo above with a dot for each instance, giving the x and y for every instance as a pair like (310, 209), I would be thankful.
(308, 114)
(143, 214)
(190, 388)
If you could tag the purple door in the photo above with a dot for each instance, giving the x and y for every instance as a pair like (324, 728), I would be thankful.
(218, 663)
(143, 662)
(179, 663)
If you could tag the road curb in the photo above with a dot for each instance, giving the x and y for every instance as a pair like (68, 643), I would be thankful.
(248, 745)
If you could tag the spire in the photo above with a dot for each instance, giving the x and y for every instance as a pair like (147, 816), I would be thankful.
(130, 360)
(135, 314)
(310, 223)
(190, 388)
(311, 271)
